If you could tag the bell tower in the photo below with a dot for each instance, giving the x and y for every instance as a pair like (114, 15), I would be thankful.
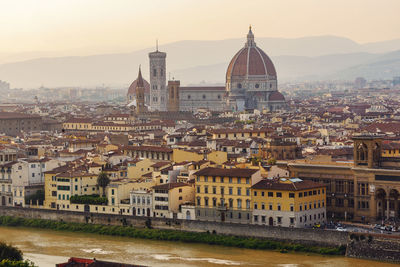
(173, 96)
(367, 151)
(158, 90)
(139, 90)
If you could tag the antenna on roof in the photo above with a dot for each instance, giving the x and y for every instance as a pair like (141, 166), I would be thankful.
(157, 45)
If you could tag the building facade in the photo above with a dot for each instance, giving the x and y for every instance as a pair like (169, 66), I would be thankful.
(365, 190)
(224, 195)
(288, 203)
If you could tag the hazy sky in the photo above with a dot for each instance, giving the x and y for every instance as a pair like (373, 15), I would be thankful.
(42, 25)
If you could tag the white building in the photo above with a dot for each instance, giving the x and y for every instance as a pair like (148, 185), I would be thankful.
(27, 177)
(141, 203)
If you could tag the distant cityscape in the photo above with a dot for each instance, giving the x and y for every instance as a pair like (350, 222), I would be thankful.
(252, 151)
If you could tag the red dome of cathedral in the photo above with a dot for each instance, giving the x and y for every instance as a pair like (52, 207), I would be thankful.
(251, 60)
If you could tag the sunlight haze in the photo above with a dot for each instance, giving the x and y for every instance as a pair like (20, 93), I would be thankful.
(94, 26)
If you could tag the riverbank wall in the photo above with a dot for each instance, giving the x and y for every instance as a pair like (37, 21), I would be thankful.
(374, 247)
(297, 235)
(365, 246)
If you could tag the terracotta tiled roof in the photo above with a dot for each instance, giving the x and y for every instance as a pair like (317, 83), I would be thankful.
(235, 172)
(274, 184)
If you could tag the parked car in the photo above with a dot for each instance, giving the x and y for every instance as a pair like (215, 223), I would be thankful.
(341, 229)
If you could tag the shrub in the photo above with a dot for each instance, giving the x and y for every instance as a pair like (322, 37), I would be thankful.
(89, 199)
(8, 252)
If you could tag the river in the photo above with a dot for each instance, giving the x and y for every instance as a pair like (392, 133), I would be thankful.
(46, 248)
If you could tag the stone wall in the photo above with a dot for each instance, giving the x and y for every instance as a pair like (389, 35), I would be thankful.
(374, 247)
(304, 236)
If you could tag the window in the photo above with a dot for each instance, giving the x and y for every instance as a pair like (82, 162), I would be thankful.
(263, 206)
(300, 194)
(279, 220)
(231, 191)
(270, 207)
(206, 189)
(214, 202)
(188, 97)
(305, 194)
(239, 203)
(198, 201)
(255, 193)
(239, 191)
(214, 179)
(247, 181)
(214, 190)
(270, 194)
(230, 180)
(278, 194)
(154, 72)
(279, 206)
(247, 191)
(291, 195)
(204, 96)
(205, 201)
(247, 204)
(291, 208)
(291, 220)
(238, 180)
(198, 189)
(255, 205)
(262, 193)
(256, 218)
(257, 85)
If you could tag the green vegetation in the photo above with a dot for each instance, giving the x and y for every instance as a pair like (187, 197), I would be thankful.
(102, 181)
(38, 196)
(10, 263)
(12, 257)
(89, 199)
(171, 235)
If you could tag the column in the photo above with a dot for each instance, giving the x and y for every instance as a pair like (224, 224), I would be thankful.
(387, 208)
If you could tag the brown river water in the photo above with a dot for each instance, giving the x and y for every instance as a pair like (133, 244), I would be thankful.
(46, 248)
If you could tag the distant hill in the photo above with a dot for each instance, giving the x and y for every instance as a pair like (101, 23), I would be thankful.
(206, 61)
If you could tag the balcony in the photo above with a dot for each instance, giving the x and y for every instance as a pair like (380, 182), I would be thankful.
(223, 207)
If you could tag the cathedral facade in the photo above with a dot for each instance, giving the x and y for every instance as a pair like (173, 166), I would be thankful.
(251, 83)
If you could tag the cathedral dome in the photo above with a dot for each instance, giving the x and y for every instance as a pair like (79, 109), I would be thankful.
(250, 61)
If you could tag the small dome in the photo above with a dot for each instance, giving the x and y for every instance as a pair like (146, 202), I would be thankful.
(276, 96)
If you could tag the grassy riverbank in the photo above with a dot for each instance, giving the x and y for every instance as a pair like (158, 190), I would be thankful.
(170, 235)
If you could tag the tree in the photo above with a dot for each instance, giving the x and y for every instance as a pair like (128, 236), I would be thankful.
(102, 181)
(8, 252)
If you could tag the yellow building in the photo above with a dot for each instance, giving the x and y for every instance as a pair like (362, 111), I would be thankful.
(288, 203)
(238, 134)
(224, 194)
(391, 150)
(60, 186)
(78, 124)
